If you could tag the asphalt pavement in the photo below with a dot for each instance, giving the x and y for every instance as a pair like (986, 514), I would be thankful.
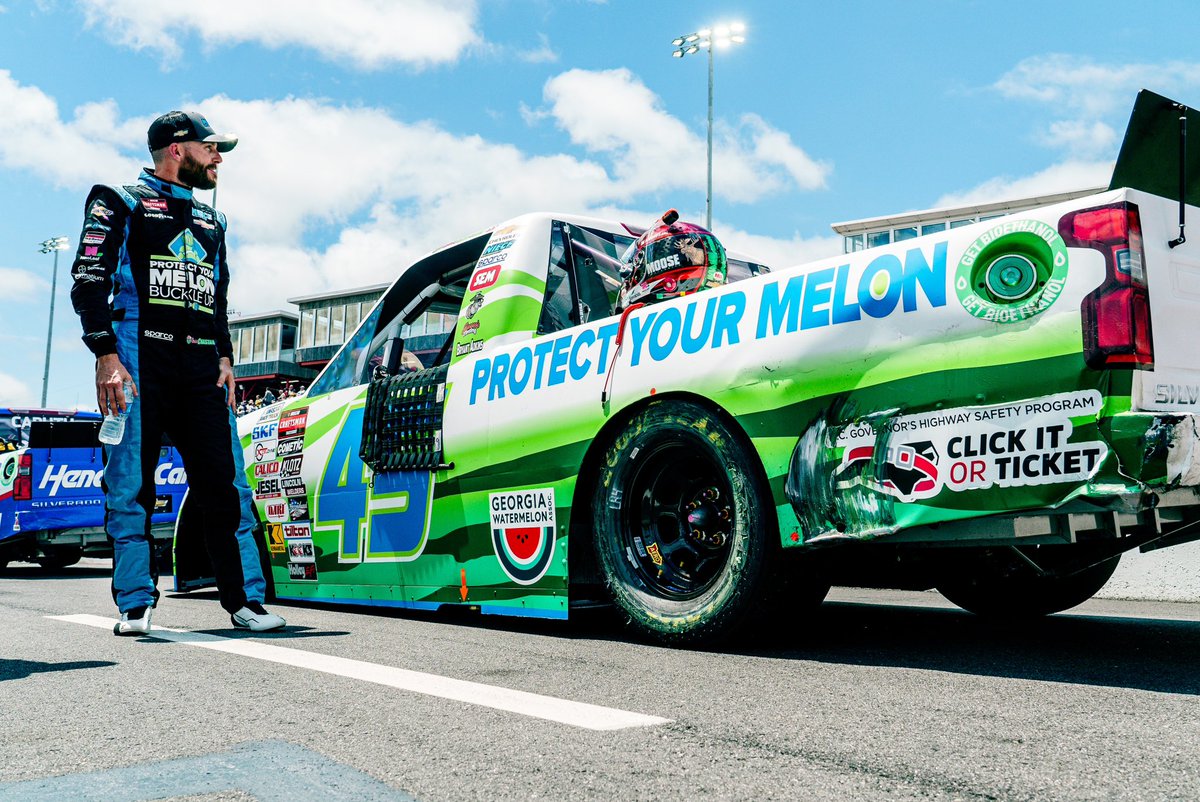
(879, 695)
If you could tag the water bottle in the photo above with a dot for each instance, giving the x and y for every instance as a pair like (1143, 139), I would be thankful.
(112, 431)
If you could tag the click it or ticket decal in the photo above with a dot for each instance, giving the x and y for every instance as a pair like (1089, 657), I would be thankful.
(1026, 442)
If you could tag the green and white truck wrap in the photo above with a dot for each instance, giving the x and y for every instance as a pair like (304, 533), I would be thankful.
(1001, 410)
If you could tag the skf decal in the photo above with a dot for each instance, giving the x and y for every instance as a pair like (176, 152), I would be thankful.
(523, 526)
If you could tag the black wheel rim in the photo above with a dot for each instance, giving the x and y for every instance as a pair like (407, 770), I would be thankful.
(678, 519)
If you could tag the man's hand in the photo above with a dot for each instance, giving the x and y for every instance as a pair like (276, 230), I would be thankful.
(110, 385)
(226, 378)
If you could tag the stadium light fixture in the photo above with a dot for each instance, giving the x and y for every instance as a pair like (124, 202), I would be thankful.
(52, 245)
(689, 43)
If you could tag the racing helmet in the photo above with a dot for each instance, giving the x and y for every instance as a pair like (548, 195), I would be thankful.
(670, 260)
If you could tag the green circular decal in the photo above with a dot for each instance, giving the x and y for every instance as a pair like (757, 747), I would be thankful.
(1013, 271)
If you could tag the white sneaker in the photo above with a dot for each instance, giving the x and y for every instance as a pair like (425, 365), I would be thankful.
(255, 618)
(134, 622)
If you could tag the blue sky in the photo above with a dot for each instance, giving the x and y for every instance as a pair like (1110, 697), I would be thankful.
(375, 130)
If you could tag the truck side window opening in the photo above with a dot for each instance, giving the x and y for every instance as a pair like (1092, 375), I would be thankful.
(596, 256)
(558, 306)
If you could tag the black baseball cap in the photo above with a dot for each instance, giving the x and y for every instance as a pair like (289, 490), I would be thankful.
(186, 126)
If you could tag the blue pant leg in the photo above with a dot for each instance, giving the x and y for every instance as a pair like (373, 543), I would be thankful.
(127, 520)
(255, 584)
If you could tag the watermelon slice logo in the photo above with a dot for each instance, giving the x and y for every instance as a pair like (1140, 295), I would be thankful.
(524, 552)
(523, 527)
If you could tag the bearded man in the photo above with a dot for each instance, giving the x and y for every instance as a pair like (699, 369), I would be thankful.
(151, 285)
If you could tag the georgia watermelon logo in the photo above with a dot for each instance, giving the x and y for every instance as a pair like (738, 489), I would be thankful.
(523, 526)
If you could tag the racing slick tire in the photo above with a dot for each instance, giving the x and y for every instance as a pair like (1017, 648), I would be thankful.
(1004, 587)
(682, 526)
(58, 557)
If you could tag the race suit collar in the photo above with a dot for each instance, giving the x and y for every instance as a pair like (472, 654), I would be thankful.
(169, 188)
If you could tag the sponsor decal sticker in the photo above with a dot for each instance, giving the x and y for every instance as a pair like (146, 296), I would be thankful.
(99, 211)
(93, 238)
(1024, 443)
(292, 423)
(306, 571)
(267, 488)
(154, 204)
(264, 452)
(297, 509)
(483, 278)
(286, 448)
(290, 466)
(293, 487)
(276, 511)
(164, 504)
(523, 527)
(270, 414)
(474, 306)
(92, 251)
(275, 542)
(295, 530)
(655, 554)
(264, 431)
(265, 469)
(158, 335)
(1034, 242)
(301, 551)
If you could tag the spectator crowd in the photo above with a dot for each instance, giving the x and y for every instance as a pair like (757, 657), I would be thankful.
(269, 397)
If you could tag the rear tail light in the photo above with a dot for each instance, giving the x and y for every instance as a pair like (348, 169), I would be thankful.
(1116, 315)
(23, 484)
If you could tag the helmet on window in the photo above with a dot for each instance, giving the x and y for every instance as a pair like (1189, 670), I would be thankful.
(669, 260)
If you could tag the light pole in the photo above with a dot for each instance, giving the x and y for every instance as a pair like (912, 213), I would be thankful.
(707, 38)
(55, 244)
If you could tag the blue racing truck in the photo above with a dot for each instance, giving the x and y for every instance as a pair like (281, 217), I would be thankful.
(52, 495)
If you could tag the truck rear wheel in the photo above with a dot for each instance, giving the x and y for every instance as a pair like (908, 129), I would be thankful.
(682, 530)
(999, 584)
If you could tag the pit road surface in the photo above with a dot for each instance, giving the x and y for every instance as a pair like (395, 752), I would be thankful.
(881, 695)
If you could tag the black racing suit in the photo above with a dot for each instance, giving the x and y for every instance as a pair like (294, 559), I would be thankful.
(160, 254)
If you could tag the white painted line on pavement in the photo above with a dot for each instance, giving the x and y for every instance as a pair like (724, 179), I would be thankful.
(564, 711)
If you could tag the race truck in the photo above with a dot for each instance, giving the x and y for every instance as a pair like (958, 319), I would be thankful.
(998, 411)
(52, 495)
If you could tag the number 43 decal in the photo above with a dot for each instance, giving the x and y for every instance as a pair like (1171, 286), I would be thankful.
(390, 514)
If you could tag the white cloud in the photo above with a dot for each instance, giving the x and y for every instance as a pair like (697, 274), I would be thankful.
(14, 392)
(612, 113)
(1081, 138)
(369, 34)
(542, 54)
(1065, 177)
(21, 284)
(33, 137)
(1080, 86)
(392, 190)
